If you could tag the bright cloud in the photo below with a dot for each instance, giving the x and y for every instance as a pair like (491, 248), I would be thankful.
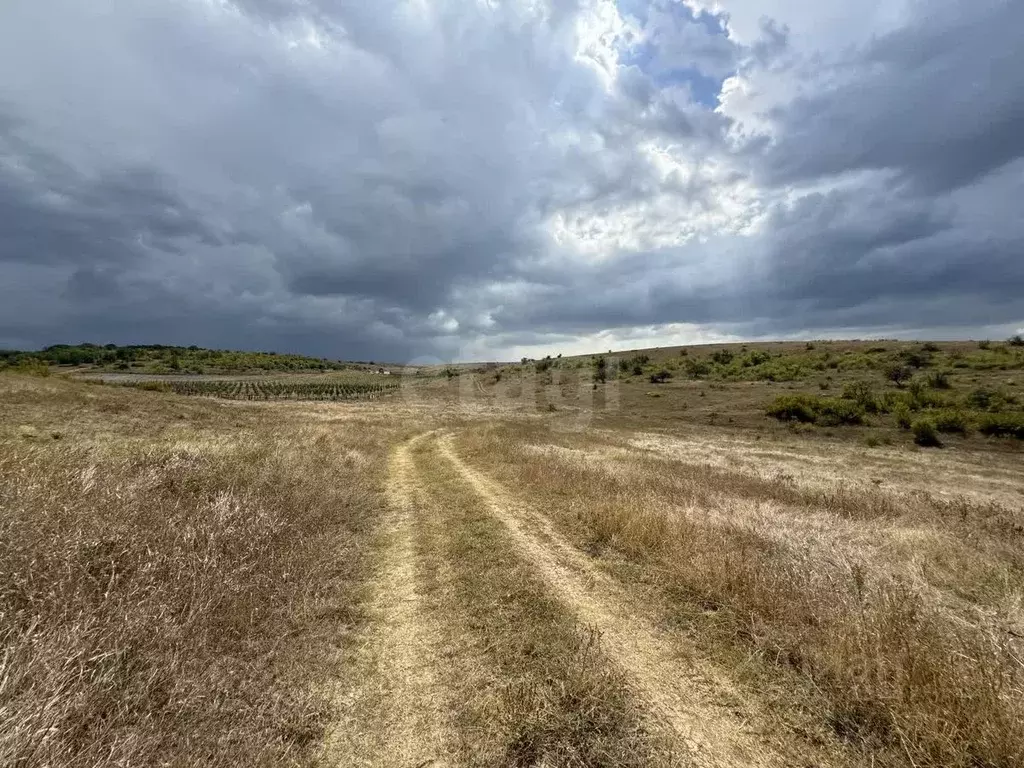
(464, 178)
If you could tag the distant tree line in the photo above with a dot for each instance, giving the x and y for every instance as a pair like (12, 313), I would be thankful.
(161, 358)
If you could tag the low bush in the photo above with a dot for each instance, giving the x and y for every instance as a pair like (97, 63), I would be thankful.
(862, 394)
(951, 421)
(697, 369)
(1002, 425)
(31, 366)
(634, 364)
(793, 408)
(755, 358)
(925, 434)
(891, 402)
(897, 373)
(903, 417)
(916, 358)
(983, 399)
(824, 411)
(835, 412)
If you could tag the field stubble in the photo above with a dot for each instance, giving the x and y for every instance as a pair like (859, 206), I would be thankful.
(187, 581)
(896, 618)
(174, 575)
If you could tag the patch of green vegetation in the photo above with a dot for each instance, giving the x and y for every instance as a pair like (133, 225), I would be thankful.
(925, 434)
(158, 358)
(289, 388)
(823, 411)
(1002, 425)
(926, 404)
(892, 364)
(634, 365)
(952, 421)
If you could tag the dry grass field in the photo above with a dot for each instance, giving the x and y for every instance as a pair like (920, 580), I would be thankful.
(521, 565)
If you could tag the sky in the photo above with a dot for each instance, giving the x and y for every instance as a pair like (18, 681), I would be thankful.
(490, 179)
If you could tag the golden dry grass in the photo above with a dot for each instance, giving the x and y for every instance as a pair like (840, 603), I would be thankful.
(926, 670)
(192, 582)
(172, 575)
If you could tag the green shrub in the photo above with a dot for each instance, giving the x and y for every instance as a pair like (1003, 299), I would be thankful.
(824, 411)
(722, 357)
(834, 412)
(903, 418)
(951, 421)
(1016, 340)
(925, 434)
(696, 369)
(939, 380)
(917, 389)
(862, 394)
(755, 358)
(635, 364)
(1002, 425)
(793, 408)
(890, 402)
(916, 358)
(32, 366)
(983, 399)
(897, 373)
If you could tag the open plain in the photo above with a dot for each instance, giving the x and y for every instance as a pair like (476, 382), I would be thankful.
(509, 565)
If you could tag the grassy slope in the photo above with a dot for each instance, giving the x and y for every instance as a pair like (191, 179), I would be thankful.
(173, 573)
(734, 385)
(868, 598)
(884, 619)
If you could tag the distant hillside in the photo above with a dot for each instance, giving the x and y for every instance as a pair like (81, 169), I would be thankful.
(158, 358)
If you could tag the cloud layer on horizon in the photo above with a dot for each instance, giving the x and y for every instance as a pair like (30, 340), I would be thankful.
(478, 179)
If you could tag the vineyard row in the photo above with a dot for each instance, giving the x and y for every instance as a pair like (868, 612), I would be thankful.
(273, 390)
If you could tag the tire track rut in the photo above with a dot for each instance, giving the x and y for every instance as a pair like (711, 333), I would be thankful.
(396, 716)
(698, 704)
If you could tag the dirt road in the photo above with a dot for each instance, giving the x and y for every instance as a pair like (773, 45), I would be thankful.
(396, 718)
(425, 660)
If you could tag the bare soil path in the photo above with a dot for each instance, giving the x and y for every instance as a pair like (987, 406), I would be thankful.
(396, 716)
(701, 707)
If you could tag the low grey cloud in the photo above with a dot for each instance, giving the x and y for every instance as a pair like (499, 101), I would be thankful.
(459, 178)
(940, 102)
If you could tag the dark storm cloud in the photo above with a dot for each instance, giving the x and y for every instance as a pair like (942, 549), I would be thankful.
(940, 102)
(54, 218)
(387, 180)
(842, 259)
